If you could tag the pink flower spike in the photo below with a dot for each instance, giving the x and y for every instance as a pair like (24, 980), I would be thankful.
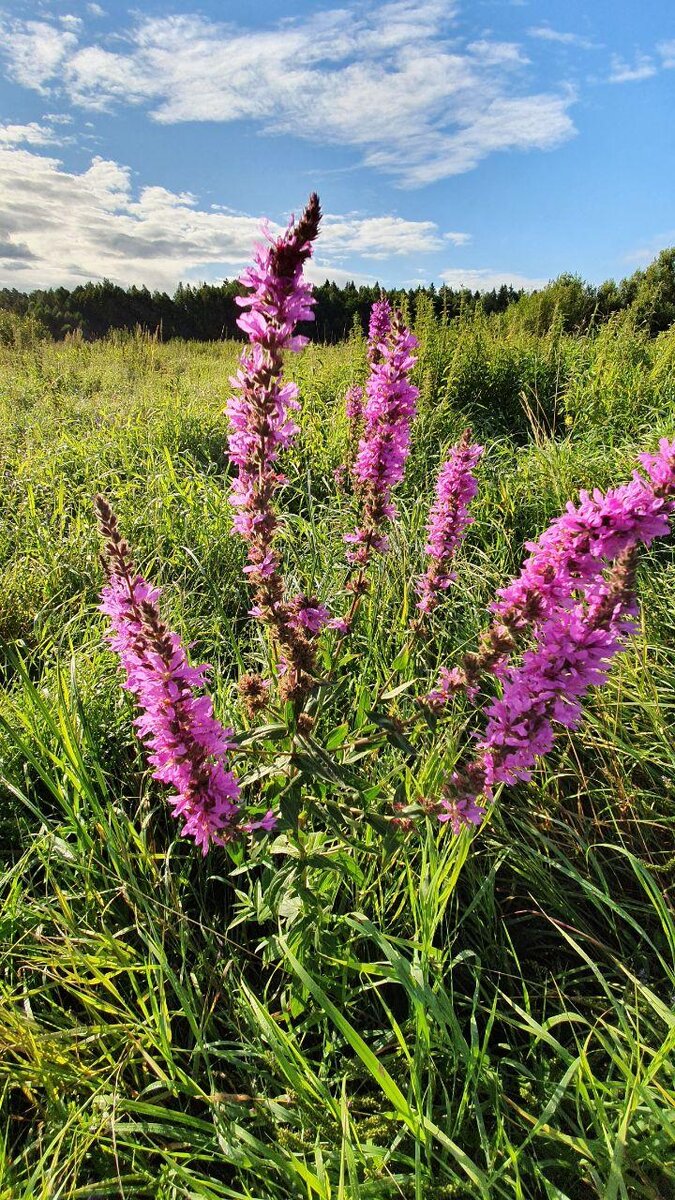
(387, 417)
(378, 328)
(260, 411)
(186, 745)
(570, 557)
(268, 823)
(309, 615)
(456, 487)
(354, 404)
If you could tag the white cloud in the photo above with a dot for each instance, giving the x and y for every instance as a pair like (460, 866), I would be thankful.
(545, 34)
(35, 51)
(318, 271)
(387, 81)
(643, 67)
(667, 52)
(61, 227)
(502, 123)
(26, 135)
(379, 237)
(484, 279)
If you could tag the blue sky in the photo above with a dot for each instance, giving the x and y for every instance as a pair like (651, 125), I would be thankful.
(476, 141)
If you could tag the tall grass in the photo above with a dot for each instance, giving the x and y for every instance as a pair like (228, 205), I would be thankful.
(348, 1015)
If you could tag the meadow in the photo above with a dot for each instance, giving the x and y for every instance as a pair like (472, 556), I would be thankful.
(355, 1012)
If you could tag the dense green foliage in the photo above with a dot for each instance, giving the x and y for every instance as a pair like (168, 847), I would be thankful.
(207, 312)
(350, 1014)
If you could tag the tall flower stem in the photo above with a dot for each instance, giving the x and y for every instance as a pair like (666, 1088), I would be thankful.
(262, 427)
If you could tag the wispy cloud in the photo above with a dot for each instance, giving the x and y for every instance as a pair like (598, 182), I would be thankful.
(484, 279)
(380, 237)
(667, 53)
(60, 227)
(642, 67)
(390, 82)
(546, 34)
(641, 256)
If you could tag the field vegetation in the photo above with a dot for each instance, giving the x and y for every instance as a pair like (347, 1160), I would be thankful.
(353, 1012)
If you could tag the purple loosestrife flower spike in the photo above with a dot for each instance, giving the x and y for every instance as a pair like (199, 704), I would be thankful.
(571, 555)
(456, 487)
(378, 329)
(570, 558)
(384, 447)
(354, 404)
(260, 414)
(573, 654)
(187, 746)
(580, 613)
(262, 427)
(450, 681)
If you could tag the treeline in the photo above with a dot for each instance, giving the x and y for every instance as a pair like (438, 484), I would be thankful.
(208, 312)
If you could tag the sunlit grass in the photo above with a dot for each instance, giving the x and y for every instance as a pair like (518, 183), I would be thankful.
(355, 1015)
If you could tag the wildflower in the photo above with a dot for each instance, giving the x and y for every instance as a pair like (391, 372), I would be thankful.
(379, 328)
(354, 414)
(571, 555)
(341, 625)
(308, 614)
(450, 681)
(261, 413)
(460, 811)
(573, 654)
(262, 427)
(580, 613)
(187, 745)
(385, 443)
(456, 487)
(253, 690)
(354, 404)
